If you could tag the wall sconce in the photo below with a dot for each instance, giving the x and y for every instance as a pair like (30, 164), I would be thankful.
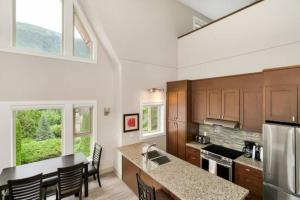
(106, 111)
(152, 90)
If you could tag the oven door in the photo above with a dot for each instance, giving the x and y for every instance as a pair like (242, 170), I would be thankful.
(220, 168)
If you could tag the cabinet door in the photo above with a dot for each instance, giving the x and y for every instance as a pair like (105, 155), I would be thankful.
(281, 103)
(129, 171)
(172, 138)
(214, 104)
(199, 106)
(172, 105)
(231, 105)
(181, 106)
(181, 139)
(251, 109)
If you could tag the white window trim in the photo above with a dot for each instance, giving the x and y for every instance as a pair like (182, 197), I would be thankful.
(93, 133)
(7, 42)
(161, 131)
(67, 121)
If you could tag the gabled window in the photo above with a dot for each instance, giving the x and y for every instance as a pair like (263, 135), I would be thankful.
(48, 28)
(38, 26)
(83, 45)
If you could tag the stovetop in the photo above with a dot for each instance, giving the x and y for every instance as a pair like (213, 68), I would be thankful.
(223, 151)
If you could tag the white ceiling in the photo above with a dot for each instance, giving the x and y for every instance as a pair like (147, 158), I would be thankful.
(214, 9)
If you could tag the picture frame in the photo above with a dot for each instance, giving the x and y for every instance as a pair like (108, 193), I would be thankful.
(131, 122)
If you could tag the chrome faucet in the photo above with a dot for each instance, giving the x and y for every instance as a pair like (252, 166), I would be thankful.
(152, 145)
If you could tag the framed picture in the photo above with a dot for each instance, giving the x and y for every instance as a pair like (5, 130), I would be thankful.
(131, 122)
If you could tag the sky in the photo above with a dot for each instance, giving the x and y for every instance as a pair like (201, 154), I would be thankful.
(49, 13)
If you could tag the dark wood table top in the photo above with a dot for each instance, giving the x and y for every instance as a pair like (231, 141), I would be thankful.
(47, 167)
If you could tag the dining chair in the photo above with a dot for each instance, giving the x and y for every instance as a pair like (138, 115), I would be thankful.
(49, 186)
(70, 181)
(147, 192)
(94, 166)
(26, 189)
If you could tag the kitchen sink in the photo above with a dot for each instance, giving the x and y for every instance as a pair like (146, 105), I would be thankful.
(152, 154)
(161, 160)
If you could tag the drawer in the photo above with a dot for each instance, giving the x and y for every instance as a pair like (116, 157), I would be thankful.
(242, 169)
(193, 156)
(193, 151)
(250, 179)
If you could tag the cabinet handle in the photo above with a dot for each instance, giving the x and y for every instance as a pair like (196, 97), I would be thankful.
(293, 119)
(248, 170)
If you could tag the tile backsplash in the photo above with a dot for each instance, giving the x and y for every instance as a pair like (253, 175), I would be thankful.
(230, 138)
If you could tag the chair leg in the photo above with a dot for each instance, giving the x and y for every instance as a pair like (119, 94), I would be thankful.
(94, 177)
(56, 195)
(80, 195)
(99, 182)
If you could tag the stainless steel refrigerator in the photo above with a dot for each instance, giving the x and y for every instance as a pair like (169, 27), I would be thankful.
(281, 162)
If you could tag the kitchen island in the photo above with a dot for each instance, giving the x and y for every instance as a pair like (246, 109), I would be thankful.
(183, 180)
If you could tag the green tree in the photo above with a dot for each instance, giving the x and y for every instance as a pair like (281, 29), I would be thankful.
(43, 131)
(18, 142)
(28, 120)
(86, 122)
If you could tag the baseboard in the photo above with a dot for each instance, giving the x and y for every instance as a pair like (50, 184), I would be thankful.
(118, 174)
(107, 170)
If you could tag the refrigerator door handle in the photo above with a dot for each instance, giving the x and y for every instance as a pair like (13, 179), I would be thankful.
(297, 161)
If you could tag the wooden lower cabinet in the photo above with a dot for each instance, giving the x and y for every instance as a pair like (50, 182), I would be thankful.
(251, 179)
(193, 156)
(129, 171)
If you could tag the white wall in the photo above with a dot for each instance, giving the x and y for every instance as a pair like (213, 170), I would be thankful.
(262, 36)
(144, 35)
(30, 78)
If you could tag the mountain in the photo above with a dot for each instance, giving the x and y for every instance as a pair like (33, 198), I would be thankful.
(39, 39)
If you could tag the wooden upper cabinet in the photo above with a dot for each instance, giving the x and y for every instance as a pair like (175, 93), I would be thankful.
(172, 105)
(214, 103)
(281, 103)
(199, 105)
(230, 105)
(181, 106)
(251, 109)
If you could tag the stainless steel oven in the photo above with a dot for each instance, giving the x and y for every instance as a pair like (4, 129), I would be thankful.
(218, 160)
(222, 168)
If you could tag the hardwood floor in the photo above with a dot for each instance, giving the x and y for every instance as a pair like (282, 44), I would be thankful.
(112, 189)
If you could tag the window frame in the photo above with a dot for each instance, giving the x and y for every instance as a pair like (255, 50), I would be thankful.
(93, 131)
(30, 106)
(8, 109)
(161, 122)
(8, 41)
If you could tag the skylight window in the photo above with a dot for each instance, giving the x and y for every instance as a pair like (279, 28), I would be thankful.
(38, 26)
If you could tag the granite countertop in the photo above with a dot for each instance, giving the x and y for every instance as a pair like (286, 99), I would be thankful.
(196, 145)
(249, 162)
(183, 179)
(241, 160)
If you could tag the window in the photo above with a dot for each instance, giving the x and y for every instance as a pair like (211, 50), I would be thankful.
(83, 45)
(83, 130)
(152, 119)
(38, 134)
(38, 25)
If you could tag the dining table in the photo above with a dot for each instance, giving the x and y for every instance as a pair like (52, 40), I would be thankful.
(47, 167)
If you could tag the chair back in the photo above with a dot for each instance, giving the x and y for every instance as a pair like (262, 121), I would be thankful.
(70, 180)
(26, 189)
(97, 155)
(145, 192)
